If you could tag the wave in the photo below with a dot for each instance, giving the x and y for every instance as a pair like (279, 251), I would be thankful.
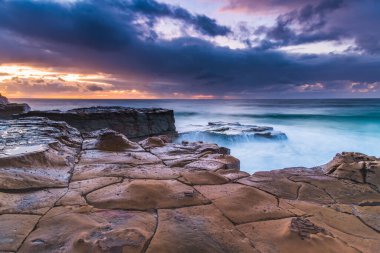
(186, 113)
(225, 139)
(372, 117)
(290, 116)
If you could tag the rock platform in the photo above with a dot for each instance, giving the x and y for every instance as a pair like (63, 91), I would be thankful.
(65, 191)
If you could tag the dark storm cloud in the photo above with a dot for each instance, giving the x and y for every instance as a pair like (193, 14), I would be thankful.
(94, 87)
(153, 9)
(319, 20)
(103, 36)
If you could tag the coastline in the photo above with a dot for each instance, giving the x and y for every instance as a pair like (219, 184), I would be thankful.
(101, 192)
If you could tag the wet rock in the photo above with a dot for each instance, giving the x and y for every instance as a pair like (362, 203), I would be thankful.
(133, 123)
(149, 171)
(145, 195)
(14, 229)
(197, 229)
(233, 132)
(37, 153)
(69, 229)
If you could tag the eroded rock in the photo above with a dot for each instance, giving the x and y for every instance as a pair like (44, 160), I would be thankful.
(14, 229)
(197, 229)
(293, 235)
(37, 153)
(145, 195)
(82, 230)
(243, 204)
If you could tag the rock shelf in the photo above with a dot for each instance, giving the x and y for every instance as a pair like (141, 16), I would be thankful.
(65, 191)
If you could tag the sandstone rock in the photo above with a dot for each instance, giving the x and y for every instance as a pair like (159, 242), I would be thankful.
(104, 157)
(278, 185)
(345, 226)
(14, 229)
(197, 229)
(109, 140)
(149, 171)
(37, 153)
(354, 166)
(205, 165)
(292, 235)
(77, 190)
(341, 191)
(233, 174)
(229, 161)
(31, 202)
(373, 174)
(369, 215)
(243, 204)
(134, 123)
(202, 178)
(145, 195)
(66, 229)
(193, 150)
(153, 142)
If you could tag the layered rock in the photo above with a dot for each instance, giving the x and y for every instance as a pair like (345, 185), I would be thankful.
(134, 123)
(62, 191)
(7, 110)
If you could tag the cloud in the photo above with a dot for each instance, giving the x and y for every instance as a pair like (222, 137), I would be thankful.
(94, 87)
(154, 10)
(103, 36)
(316, 21)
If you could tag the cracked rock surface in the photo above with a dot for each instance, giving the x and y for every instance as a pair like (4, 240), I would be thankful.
(63, 191)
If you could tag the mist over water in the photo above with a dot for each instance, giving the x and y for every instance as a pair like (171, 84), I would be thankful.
(316, 129)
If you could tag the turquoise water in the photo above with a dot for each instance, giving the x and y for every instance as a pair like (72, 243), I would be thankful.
(316, 129)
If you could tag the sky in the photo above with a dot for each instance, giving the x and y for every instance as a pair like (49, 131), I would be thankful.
(201, 49)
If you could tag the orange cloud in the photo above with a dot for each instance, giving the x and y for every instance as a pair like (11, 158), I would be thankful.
(19, 81)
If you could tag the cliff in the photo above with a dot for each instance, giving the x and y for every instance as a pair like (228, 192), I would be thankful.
(66, 191)
(8, 109)
(134, 123)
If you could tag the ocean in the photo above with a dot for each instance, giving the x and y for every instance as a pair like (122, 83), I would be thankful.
(316, 129)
